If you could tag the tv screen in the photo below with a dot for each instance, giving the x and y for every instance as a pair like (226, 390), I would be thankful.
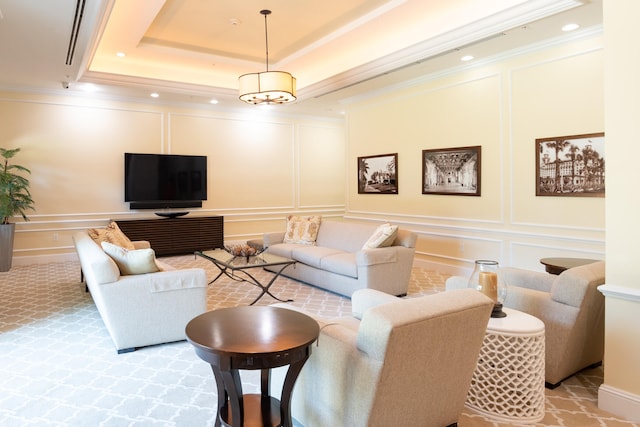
(153, 181)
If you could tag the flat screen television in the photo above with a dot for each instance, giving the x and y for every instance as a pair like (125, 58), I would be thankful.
(164, 181)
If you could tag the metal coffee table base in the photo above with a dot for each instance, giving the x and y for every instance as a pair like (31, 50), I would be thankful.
(249, 278)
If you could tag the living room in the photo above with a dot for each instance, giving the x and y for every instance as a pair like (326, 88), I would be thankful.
(265, 165)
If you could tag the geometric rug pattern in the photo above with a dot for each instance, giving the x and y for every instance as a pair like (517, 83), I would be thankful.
(58, 366)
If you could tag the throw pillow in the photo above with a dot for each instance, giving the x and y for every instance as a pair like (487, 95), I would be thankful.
(302, 229)
(111, 234)
(139, 261)
(384, 236)
(98, 235)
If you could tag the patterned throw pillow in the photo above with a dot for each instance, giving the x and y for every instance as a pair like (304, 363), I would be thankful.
(302, 229)
(139, 261)
(384, 236)
(111, 234)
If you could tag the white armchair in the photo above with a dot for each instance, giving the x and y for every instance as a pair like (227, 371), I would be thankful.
(571, 308)
(408, 361)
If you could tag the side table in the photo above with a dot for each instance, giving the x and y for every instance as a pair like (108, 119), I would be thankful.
(508, 383)
(558, 265)
(232, 339)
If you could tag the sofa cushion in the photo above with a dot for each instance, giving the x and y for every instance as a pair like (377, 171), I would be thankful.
(302, 229)
(111, 234)
(284, 249)
(343, 263)
(384, 236)
(130, 262)
(313, 255)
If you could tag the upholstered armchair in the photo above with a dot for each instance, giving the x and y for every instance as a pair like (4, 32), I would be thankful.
(571, 308)
(395, 361)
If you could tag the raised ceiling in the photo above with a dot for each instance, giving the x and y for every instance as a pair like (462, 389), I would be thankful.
(194, 50)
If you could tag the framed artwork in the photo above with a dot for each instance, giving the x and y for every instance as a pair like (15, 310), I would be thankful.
(570, 166)
(378, 174)
(452, 171)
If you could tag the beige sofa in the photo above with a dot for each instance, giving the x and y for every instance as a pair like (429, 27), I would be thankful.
(142, 309)
(338, 263)
(408, 361)
(571, 308)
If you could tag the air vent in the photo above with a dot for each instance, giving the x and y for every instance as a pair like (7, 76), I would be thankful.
(75, 31)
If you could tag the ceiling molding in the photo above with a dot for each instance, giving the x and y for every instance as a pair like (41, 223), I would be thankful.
(475, 32)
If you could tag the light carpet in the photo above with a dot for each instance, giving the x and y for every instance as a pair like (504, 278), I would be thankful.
(58, 366)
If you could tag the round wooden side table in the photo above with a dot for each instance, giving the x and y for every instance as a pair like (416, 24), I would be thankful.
(508, 383)
(237, 338)
(558, 265)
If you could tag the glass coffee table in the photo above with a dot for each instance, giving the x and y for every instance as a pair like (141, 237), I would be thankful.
(236, 268)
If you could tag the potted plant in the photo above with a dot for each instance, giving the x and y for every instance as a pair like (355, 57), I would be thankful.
(15, 199)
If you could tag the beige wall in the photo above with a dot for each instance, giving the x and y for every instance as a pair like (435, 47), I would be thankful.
(620, 392)
(261, 167)
(503, 107)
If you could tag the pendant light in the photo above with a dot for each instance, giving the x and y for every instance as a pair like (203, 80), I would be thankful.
(267, 87)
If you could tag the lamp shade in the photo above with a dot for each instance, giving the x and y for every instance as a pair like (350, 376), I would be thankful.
(270, 87)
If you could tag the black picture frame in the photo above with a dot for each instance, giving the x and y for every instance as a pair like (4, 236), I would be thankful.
(378, 174)
(571, 166)
(452, 171)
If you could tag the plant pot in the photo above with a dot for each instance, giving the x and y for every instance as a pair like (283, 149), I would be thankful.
(7, 232)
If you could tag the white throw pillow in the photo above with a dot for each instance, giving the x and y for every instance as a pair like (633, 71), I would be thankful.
(384, 236)
(302, 229)
(139, 261)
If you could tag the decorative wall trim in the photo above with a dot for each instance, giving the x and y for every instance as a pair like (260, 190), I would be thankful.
(619, 402)
(402, 219)
(563, 248)
(620, 292)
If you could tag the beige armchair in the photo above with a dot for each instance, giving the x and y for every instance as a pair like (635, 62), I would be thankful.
(408, 362)
(571, 308)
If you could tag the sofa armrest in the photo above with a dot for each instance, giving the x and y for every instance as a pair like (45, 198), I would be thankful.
(376, 256)
(271, 238)
(173, 280)
(405, 238)
(364, 299)
(456, 282)
(526, 279)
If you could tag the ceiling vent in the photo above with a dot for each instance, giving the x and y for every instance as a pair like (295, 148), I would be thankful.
(75, 31)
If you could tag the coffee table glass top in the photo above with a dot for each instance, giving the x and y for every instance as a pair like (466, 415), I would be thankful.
(233, 262)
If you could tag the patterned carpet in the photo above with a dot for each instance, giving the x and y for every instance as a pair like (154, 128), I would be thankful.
(58, 366)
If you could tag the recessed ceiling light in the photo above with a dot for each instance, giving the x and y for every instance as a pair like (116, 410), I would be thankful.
(466, 58)
(213, 101)
(570, 27)
(90, 87)
(155, 95)
(121, 54)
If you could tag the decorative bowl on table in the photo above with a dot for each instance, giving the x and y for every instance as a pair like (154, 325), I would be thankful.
(242, 250)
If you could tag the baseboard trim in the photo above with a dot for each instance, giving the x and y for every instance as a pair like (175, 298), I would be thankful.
(44, 259)
(619, 402)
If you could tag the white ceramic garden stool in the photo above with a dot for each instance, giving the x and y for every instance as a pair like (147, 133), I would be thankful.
(508, 383)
